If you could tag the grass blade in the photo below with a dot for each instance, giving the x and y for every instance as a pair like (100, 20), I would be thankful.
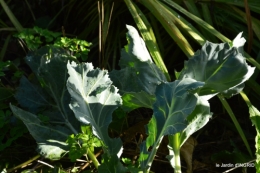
(4, 48)
(249, 25)
(234, 119)
(197, 20)
(253, 4)
(165, 17)
(255, 22)
(209, 28)
(187, 27)
(11, 16)
(148, 36)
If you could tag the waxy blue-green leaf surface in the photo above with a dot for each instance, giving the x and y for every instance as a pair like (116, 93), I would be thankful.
(32, 96)
(138, 73)
(196, 120)
(134, 100)
(49, 98)
(51, 139)
(94, 99)
(174, 103)
(143, 76)
(220, 66)
(49, 64)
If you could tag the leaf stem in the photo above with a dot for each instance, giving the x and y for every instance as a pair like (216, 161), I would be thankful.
(174, 142)
(93, 158)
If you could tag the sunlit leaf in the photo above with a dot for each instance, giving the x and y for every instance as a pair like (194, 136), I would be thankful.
(94, 99)
(220, 66)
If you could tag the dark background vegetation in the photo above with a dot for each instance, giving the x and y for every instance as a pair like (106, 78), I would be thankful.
(218, 142)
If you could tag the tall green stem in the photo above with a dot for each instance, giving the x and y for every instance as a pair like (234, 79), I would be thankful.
(174, 142)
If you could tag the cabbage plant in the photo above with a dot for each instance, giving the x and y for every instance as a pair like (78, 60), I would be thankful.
(68, 95)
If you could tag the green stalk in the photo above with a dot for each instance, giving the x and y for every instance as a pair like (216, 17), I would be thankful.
(238, 127)
(174, 142)
(11, 16)
(93, 158)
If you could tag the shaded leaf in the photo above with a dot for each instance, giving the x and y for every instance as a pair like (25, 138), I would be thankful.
(48, 98)
(31, 96)
(111, 165)
(49, 138)
(143, 76)
(138, 73)
(134, 100)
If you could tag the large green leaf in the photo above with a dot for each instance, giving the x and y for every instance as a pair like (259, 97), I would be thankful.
(94, 99)
(134, 100)
(32, 96)
(51, 139)
(135, 51)
(138, 73)
(196, 120)
(220, 66)
(48, 97)
(143, 76)
(49, 63)
(174, 103)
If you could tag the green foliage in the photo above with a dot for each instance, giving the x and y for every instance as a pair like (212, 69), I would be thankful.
(47, 99)
(81, 143)
(3, 66)
(172, 115)
(183, 20)
(11, 129)
(212, 65)
(94, 99)
(79, 48)
(38, 37)
(65, 87)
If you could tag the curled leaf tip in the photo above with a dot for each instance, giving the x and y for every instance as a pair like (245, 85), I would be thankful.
(239, 41)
